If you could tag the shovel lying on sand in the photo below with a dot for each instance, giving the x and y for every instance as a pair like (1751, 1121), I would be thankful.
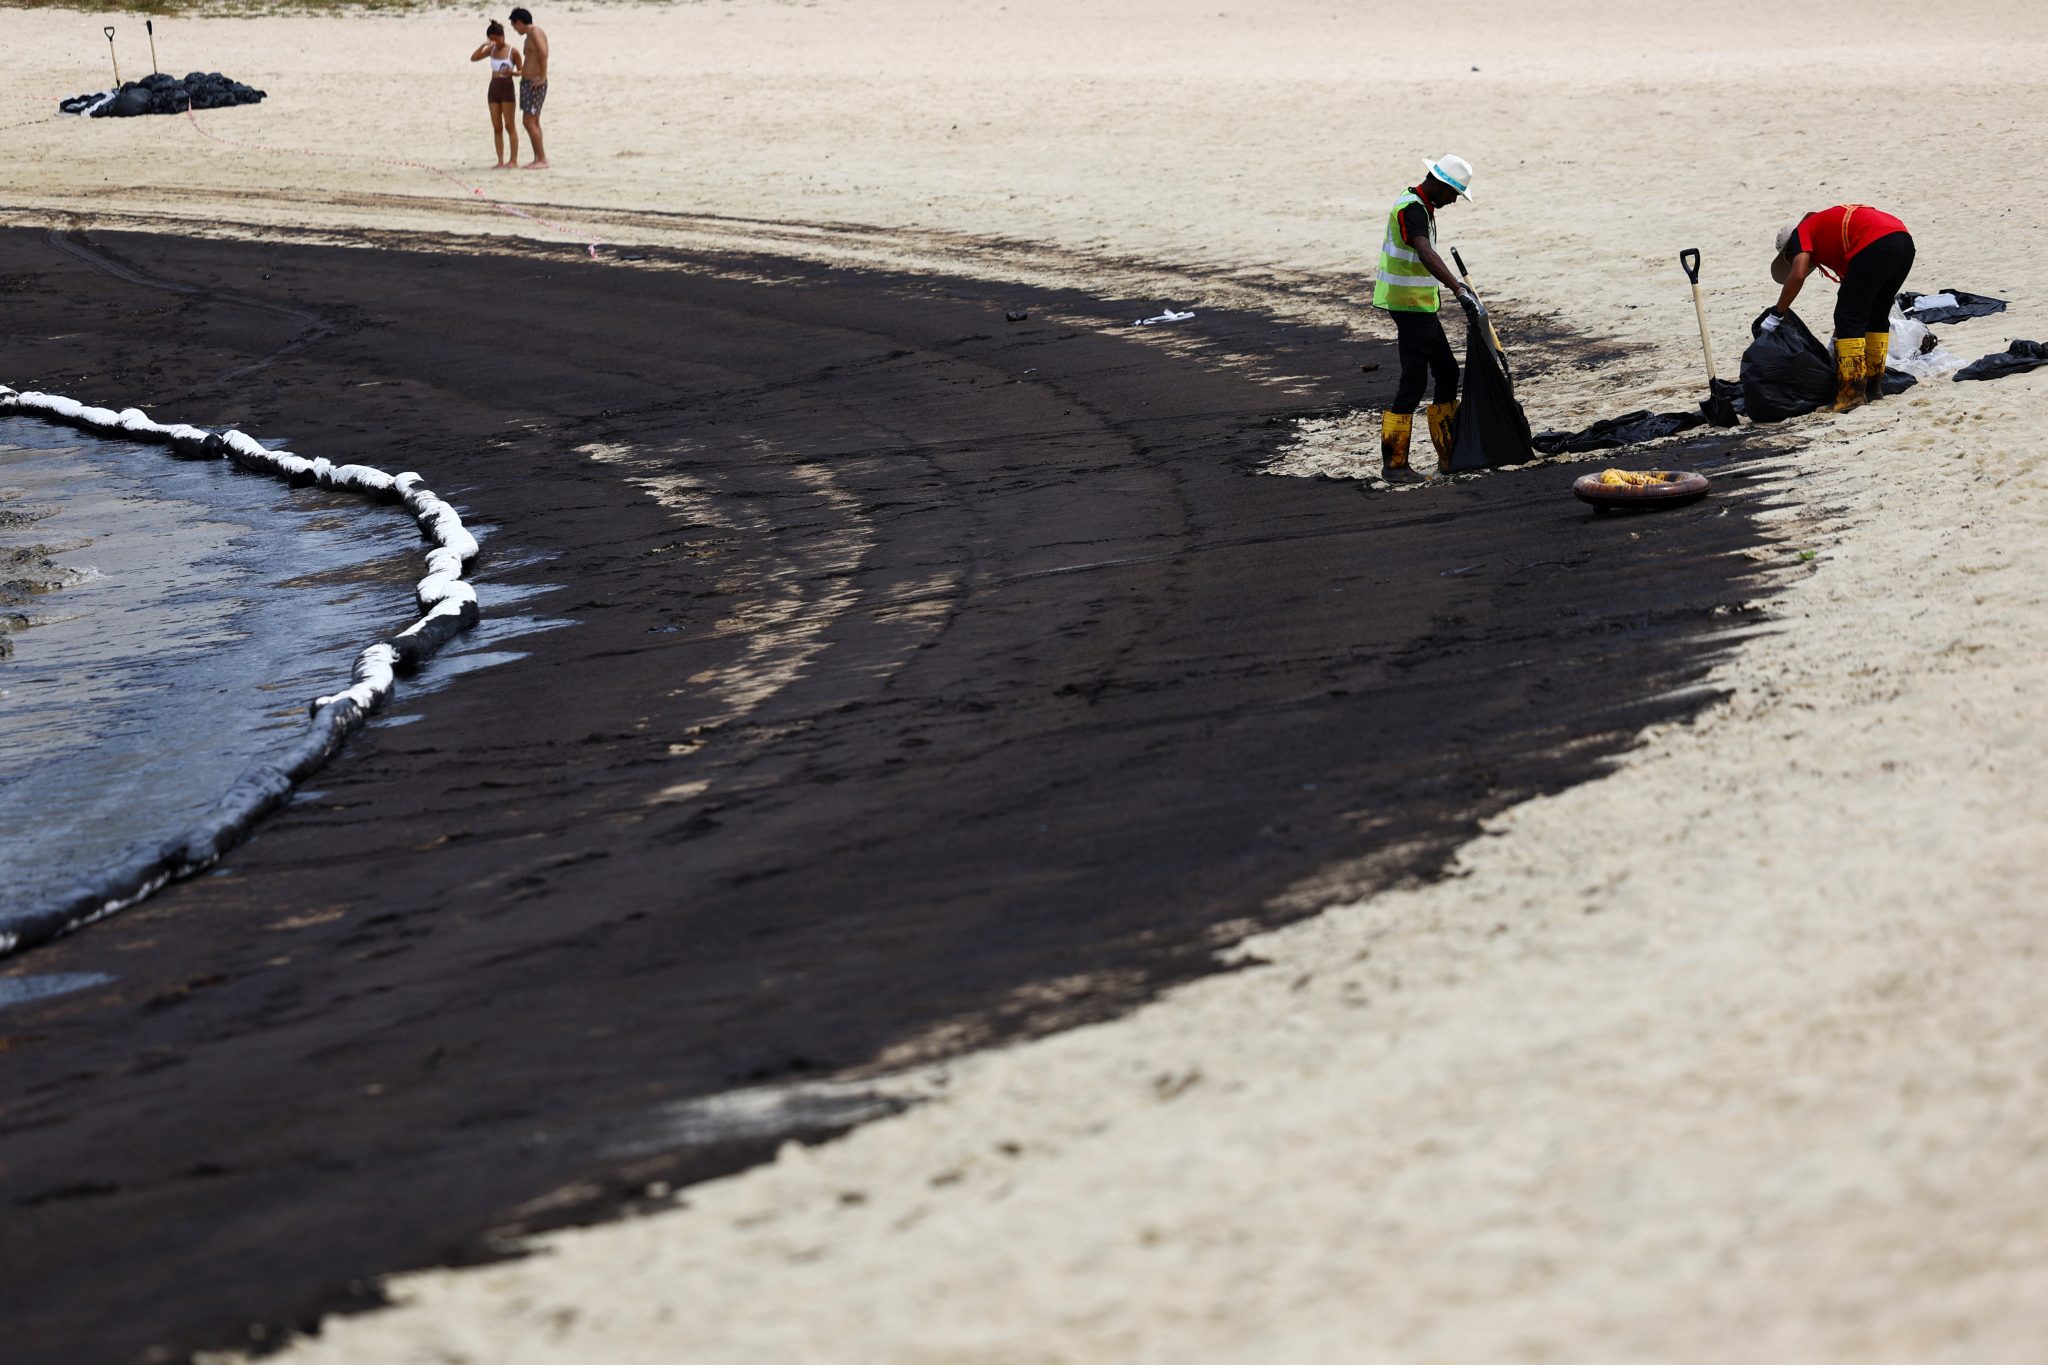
(1719, 408)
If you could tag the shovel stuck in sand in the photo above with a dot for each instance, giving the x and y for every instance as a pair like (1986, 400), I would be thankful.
(1720, 409)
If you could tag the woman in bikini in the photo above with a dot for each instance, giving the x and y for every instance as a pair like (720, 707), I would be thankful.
(504, 60)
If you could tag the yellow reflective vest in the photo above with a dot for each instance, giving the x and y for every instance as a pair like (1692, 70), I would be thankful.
(1404, 284)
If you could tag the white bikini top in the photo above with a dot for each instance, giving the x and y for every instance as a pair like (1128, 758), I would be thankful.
(501, 66)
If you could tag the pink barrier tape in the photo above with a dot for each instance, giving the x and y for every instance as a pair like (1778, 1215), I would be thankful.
(591, 243)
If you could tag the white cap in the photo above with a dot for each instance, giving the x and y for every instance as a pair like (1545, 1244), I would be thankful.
(1788, 239)
(1454, 171)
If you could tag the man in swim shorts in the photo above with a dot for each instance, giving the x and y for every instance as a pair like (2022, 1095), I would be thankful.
(533, 84)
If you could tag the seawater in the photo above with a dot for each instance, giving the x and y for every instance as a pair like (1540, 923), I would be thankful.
(168, 622)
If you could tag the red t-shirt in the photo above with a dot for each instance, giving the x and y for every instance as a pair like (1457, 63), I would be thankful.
(1835, 243)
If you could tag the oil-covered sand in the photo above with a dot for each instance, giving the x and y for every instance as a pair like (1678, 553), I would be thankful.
(936, 679)
(1731, 1052)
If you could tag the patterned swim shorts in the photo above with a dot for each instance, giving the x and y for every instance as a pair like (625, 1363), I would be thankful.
(532, 97)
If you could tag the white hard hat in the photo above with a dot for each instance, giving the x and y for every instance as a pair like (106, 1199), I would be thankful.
(1454, 171)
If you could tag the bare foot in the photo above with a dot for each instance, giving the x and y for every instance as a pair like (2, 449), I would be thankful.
(506, 166)
(535, 166)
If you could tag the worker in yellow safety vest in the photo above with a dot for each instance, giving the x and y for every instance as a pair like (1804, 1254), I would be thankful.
(1410, 275)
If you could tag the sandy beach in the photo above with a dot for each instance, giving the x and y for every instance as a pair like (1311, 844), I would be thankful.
(1632, 959)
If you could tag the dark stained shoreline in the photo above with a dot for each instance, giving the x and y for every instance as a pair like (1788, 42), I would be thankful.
(1069, 699)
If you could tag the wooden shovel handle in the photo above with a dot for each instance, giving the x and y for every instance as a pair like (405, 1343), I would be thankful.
(1689, 262)
(1466, 275)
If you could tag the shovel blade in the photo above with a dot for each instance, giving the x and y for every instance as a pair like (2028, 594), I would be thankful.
(1723, 403)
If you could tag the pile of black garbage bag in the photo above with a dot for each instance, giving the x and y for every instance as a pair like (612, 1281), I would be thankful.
(1788, 372)
(162, 94)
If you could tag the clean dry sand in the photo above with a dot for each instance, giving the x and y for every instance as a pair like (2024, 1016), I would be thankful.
(1732, 1054)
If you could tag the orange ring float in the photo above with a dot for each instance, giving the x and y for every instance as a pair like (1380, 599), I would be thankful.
(1620, 488)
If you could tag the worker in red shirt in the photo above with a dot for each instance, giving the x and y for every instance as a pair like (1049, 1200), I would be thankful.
(1869, 254)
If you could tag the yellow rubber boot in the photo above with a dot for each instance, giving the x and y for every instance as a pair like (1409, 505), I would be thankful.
(1848, 373)
(1876, 346)
(1440, 415)
(1395, 430)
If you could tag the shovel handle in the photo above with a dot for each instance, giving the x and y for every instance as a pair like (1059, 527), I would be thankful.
(1699, 308)
(109, 31)
(1491, 335)
(1689, 261)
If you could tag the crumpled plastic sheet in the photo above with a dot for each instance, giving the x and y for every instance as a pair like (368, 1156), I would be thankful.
(1168, 316)
(2017, 358)
(1913, 351)
(89, 104)
(1631, 428)
(1949, 305)
(448, 607)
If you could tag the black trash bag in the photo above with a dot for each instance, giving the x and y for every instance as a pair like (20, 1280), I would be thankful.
(1786, 372)
(1491, 429)
(2017, 358)
(1631, 428)
(1896, 382)
(1966, 306)
(133, 100)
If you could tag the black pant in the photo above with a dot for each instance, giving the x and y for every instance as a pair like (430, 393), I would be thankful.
(1871, 285)
(1424, 351)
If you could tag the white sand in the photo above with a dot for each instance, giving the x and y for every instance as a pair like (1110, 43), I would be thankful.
(1733, 1055)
